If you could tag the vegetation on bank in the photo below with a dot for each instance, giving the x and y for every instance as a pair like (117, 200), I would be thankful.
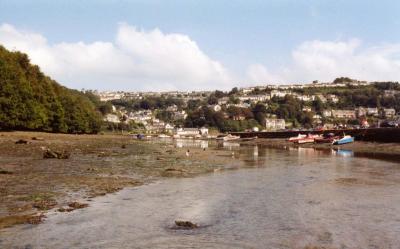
(30, 100)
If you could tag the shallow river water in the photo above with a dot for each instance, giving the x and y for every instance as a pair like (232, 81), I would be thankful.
(283, 199)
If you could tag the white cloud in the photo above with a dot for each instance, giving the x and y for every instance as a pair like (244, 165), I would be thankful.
(326, 60)
(137, 60)
(152, 60)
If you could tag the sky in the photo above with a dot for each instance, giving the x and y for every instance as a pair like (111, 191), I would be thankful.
(161, 45)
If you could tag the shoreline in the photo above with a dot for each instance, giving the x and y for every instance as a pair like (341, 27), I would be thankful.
(30, 185)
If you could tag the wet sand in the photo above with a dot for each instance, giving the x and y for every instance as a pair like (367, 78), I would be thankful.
(98, 164)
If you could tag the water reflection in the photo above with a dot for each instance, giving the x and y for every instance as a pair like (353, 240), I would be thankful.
(276, 205)
(194, 143)
(343, 153)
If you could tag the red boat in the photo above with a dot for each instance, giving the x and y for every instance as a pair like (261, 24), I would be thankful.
(310, 138)
(329, 138)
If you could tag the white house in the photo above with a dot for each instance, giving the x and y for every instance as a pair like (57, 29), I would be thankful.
(203, 131)
(187, 132)
(274, 124)
(112, 118)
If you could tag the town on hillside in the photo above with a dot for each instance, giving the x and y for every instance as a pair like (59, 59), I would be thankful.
(343, 103)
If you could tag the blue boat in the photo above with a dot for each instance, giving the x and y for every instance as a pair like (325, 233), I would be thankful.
(344, 140)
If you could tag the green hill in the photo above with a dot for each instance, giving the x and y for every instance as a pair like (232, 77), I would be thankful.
(30, 100)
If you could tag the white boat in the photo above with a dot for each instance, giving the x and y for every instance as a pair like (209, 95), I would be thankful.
(344, 140)
(228, 137)
(163, 136)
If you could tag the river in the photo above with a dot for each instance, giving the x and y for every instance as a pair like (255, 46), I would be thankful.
(298, 198)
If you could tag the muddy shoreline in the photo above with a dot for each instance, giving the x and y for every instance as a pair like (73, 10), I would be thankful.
(100, 164)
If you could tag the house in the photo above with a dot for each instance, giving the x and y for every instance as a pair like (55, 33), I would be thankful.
(332, 98)
(305, 97)
(361, 112)
(238, 117)
(274, 124)
(321, 97)
(306, 109)
(391, 93)
(172, 108)
(278, 93)
(372, 112)
(203, 131)
(187, 132)
(388, 112)
(112, 118)
(215, 108)
(223, 101)
(168, 128)
(347, 114)
(327, 113)
(180, 115)
(254, 98)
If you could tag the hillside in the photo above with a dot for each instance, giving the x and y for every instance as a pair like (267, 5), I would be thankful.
(29, 100)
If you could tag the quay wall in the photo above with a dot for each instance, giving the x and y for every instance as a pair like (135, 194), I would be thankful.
(383, 135)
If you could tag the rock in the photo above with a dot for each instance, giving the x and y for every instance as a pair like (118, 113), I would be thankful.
(77, 205)
(54, 154)
(5, 172)
(21, 141)
(38, 138)
(45, 204)
(62, 209)
(186, 224)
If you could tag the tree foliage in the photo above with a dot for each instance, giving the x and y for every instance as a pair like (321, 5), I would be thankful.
(29, 100)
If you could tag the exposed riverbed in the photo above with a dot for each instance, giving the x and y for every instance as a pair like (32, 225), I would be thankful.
(294, 198)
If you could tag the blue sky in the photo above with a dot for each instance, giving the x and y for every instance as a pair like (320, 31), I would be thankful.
(260, 37)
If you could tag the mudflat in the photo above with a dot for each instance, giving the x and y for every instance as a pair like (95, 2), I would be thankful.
(91, 165)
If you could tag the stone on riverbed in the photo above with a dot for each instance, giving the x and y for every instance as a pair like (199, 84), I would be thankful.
(186, 224)
(21, 141)
(55, 154)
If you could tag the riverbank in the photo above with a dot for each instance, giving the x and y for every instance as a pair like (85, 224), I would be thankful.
(30, 185)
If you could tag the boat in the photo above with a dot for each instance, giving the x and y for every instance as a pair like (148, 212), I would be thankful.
(228, 137)
(140, 136)
(328, 138)
(344, 140)
(294, 139)
(310, 138)
(163, 136)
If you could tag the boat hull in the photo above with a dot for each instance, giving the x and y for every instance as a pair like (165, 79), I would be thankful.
(345, 140)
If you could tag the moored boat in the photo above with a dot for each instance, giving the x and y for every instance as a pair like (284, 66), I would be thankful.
(328, 138)
(228, 137)
(344, 140)
(310, 138)
(294, 139)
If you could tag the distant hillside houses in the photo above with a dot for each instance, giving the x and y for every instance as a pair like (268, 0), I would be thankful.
(273, 124)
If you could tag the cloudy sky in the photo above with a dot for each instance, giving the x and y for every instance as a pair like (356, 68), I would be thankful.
(207, 44)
